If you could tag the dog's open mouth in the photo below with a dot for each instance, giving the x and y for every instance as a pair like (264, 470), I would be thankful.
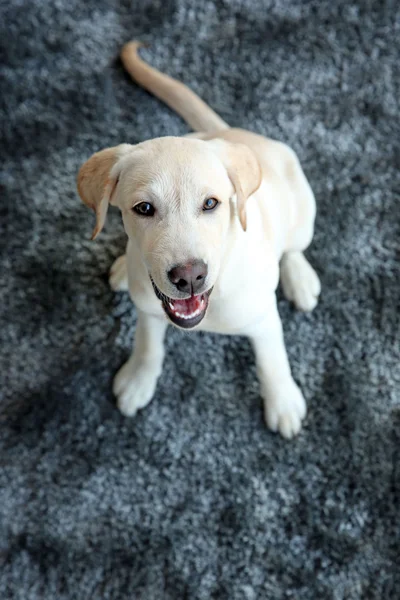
(185, 313)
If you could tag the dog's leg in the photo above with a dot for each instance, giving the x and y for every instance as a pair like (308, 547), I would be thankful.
(284, 405)
(118, 278)
(300, 282)
(136, 381)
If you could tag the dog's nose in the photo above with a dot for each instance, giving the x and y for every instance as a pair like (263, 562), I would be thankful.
(189, 278)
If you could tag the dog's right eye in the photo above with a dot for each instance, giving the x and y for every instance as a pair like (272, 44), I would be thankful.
(145, 209)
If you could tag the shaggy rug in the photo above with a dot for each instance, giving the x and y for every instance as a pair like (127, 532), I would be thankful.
(195, 498)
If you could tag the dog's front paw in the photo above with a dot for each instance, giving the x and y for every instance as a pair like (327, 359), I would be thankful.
(134, 387)
(285, 408)
(118, 278)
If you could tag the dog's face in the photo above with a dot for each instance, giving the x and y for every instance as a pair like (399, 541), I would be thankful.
(174, 195)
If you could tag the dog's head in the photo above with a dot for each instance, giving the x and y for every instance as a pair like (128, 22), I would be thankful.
(175, 197)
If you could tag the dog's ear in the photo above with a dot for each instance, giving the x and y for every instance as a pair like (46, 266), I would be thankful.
(97, 181)
(244, 171)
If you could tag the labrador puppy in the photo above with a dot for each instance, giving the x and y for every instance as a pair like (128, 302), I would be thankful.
(213, 220)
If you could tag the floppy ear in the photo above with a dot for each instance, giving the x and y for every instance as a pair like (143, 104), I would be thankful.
(244, 171)
(97, 181)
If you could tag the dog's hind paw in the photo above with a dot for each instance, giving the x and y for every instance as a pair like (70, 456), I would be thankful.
(118, 278)
(300, 282)
(285, 408)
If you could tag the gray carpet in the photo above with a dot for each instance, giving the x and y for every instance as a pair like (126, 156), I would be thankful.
(194, 498)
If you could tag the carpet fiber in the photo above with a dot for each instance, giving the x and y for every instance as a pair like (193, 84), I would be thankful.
(194, 498)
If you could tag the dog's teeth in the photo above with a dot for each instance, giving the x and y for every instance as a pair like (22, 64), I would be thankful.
(185, 316)
(171, 305)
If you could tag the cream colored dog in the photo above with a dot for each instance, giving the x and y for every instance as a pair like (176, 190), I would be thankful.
(209, 217)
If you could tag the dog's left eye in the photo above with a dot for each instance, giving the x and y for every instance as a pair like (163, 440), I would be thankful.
(210, 204)
(145, 209)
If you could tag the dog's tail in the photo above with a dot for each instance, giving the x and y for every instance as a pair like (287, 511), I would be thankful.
(176, 95)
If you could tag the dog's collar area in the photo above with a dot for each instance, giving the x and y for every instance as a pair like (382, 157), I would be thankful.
(185, 313)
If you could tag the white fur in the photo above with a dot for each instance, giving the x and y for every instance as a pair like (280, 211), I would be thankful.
(265, 215)
(243, 268)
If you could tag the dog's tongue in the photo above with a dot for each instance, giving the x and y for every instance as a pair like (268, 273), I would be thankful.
(189, 306)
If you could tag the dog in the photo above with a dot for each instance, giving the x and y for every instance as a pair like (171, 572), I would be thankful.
(213, 220)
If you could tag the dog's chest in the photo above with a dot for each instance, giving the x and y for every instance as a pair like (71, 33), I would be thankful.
(244, 291)
(235, 314)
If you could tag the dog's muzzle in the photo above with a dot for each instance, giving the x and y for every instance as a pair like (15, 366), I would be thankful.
(186, 313)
